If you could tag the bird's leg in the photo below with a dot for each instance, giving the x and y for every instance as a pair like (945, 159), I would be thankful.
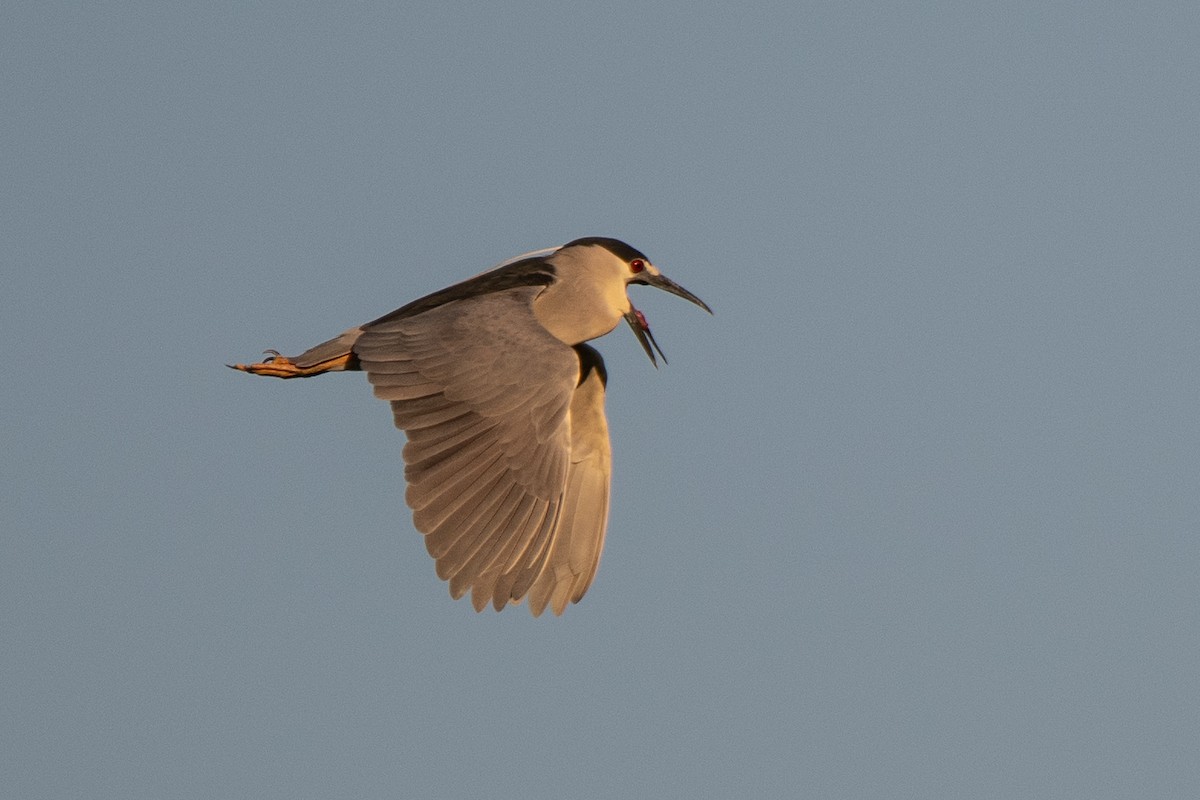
(278, 366)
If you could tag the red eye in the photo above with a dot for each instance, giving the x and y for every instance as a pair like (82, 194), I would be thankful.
(637, 265)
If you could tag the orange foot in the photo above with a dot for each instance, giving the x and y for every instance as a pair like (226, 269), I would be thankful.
(278, 366)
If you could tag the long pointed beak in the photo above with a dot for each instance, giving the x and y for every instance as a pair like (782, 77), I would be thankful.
(641, 329)
(668, 285)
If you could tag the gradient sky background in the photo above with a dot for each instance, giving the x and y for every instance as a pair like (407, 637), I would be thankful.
(915, 514)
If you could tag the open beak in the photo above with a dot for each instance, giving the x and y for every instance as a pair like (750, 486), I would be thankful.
(641, 329)
(637, 320)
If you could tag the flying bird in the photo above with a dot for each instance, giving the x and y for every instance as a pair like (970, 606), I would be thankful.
(508, 458)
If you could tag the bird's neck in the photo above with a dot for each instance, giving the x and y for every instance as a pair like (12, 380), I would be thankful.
(578, 310)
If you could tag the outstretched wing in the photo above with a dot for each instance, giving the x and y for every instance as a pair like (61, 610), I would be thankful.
(485, 395)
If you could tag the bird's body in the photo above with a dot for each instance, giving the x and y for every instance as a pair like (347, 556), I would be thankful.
(508, 457)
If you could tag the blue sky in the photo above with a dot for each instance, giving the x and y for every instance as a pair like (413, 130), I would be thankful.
(914, 514)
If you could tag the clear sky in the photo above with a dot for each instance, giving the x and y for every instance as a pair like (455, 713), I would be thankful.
(915, 513)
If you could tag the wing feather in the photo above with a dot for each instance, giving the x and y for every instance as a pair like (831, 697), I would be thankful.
(464, 522)
(488, 399)
(458, 498)
(429, 444)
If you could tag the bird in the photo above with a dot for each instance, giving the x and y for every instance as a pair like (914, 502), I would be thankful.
(508, 459)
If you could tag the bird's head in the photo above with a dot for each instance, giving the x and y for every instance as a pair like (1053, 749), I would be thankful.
(618, 265)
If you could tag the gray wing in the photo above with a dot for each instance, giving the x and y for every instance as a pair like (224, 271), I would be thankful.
(575, 548)
(484, 394)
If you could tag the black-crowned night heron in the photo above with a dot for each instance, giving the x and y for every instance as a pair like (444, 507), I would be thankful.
(508, 458)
